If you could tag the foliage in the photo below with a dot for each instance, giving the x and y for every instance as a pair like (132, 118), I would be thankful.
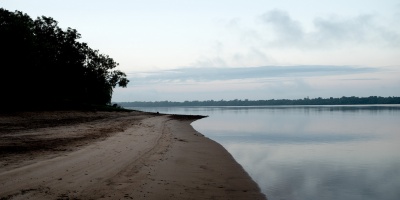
(272, 102)
(43, 65)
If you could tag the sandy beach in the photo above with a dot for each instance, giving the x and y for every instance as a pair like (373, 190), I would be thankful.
(115, 155)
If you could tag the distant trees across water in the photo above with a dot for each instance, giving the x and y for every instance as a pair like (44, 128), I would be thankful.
(272, 102)
(43, 65)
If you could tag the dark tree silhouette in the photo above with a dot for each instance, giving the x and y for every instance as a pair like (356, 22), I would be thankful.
(43, 65)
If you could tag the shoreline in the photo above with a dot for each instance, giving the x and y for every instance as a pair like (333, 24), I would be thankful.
(125, 156)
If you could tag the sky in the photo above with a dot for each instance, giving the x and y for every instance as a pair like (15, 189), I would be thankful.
(179, 50)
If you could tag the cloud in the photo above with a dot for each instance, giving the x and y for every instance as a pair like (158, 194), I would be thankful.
(306, 138)
(215, 61)
(222, 74)
(359, 30)
(278, 37)
(286, 28)
(355, 30)
(247, 57)
(321, 177)
(267, 82)
(333, 31)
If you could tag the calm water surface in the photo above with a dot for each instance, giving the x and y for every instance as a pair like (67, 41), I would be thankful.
(310, 152)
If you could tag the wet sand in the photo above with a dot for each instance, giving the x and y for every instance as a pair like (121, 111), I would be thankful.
(115, 155)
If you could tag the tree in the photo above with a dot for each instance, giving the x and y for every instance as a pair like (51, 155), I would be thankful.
(100, 80)
(41, 64)
(16, 39)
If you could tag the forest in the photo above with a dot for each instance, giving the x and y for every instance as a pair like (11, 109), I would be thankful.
(44, 66)
(272, 102)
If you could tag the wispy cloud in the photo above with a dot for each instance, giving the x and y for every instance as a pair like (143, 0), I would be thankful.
(278, 37)
(223, 74)
(261, 83)
(364, 29)
(287, 29)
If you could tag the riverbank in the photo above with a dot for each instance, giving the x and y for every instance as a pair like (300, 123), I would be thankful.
(113, 155)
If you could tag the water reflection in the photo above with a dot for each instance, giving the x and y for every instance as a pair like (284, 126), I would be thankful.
(328, 171)
(310, 152)
(239, 137)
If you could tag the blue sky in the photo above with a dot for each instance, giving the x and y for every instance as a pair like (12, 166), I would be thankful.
(235, 49)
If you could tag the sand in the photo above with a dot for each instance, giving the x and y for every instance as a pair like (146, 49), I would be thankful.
(114, 155)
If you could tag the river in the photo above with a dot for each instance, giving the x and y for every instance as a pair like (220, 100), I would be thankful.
(309, 152)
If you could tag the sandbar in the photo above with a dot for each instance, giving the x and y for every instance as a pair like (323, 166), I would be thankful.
(115, 155)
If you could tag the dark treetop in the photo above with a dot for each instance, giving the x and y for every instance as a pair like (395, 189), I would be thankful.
(43, 66)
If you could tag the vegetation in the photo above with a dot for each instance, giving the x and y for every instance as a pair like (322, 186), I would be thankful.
(44, 66)
(272, 102)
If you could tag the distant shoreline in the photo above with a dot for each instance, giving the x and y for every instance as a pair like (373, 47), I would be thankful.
(372, 100)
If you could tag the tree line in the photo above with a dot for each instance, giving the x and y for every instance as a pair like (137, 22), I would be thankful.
(272, 102)
(43, 65)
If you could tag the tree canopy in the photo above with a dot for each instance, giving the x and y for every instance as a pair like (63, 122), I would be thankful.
(44, 65)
